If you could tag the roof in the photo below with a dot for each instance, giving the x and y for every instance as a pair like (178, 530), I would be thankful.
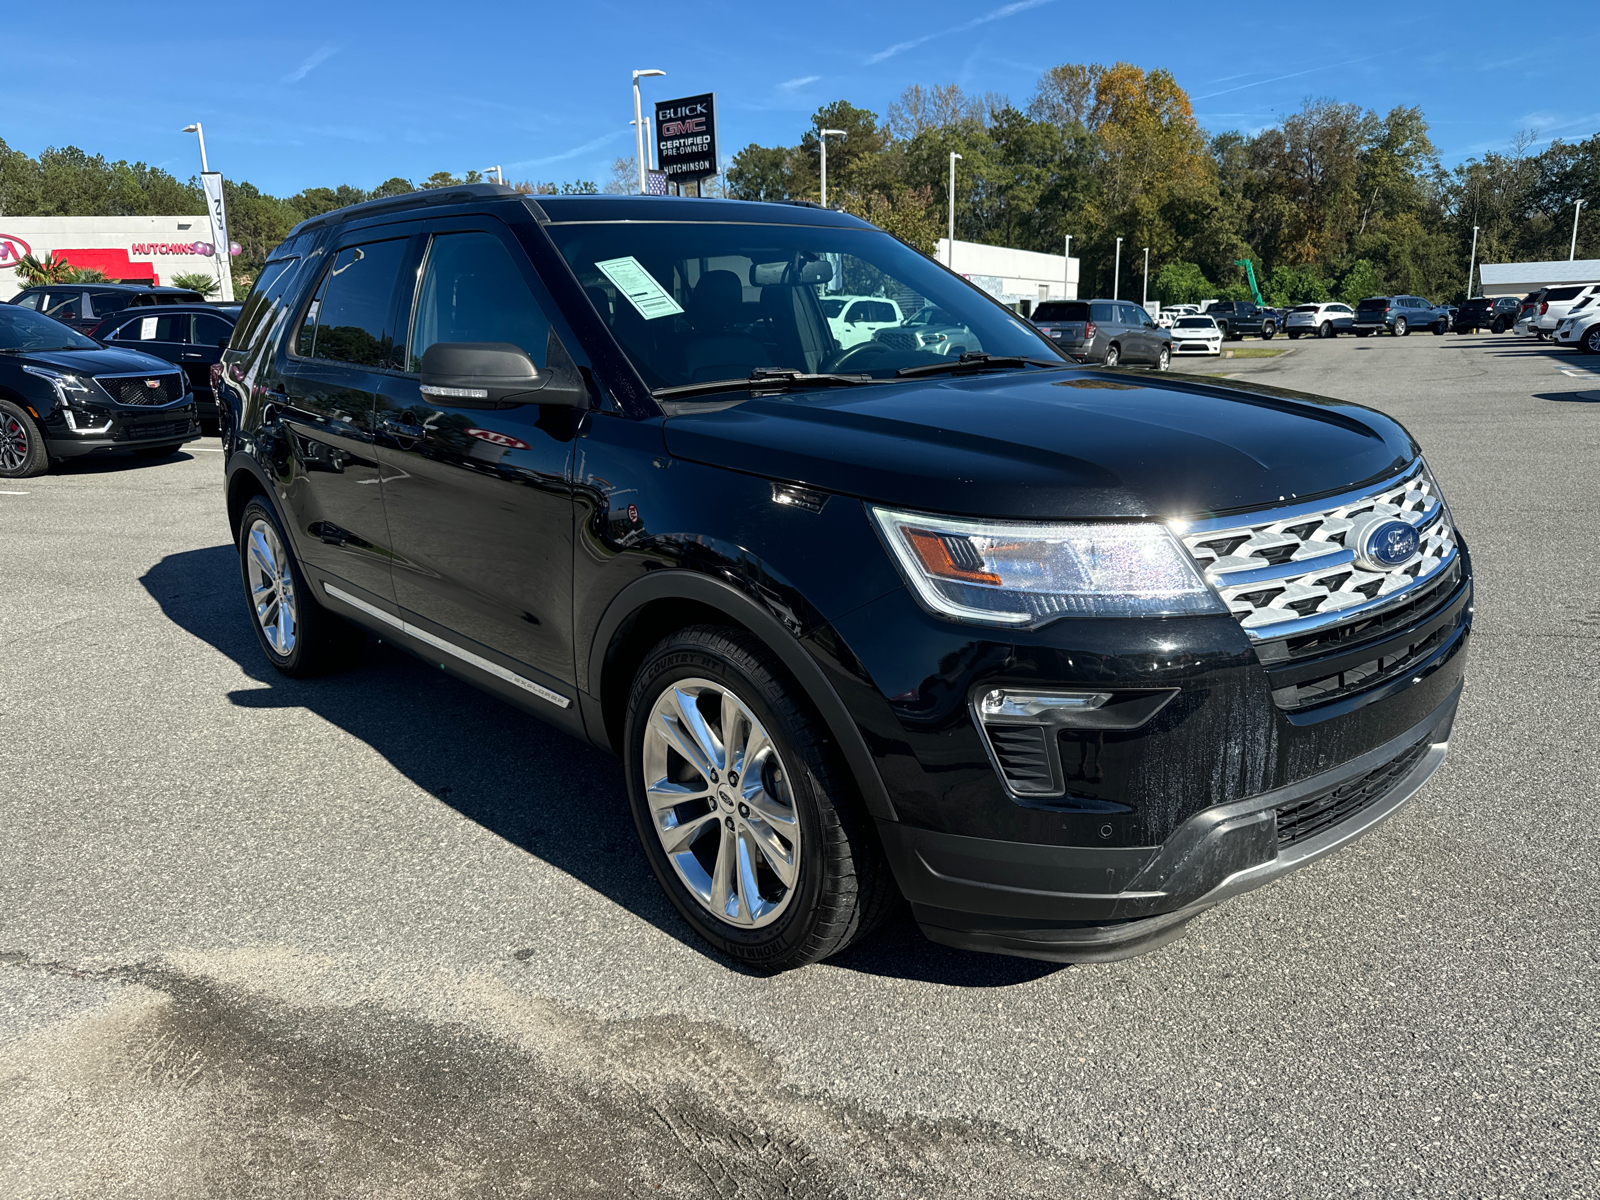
(139, 288)
(1516, 279)
(167, 310)
(593, 208)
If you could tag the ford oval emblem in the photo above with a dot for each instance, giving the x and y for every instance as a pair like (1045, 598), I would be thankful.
(1390, 544)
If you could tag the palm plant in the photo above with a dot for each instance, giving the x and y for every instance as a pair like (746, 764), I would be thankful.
(50, 270)
(196, 282)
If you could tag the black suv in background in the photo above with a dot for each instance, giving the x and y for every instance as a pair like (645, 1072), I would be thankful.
(1400, 315)
(63, 396)
(1240, 318)
(85, 305)
(1064, 656)
(1111, 332)
(190, 336)
(1494, 313)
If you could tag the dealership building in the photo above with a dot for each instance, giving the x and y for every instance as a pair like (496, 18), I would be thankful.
(1019, 278)
(126, 249)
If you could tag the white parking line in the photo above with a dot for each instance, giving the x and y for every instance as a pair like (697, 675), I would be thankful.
(205, 449)
(13, 493)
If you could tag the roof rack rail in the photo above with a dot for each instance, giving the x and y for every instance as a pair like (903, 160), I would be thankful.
(447, 195)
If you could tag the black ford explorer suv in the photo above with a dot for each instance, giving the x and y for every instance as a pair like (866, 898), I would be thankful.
(63, 396)
(1062, 655)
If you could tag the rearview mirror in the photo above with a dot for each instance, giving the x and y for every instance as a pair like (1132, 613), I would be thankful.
(494, 375)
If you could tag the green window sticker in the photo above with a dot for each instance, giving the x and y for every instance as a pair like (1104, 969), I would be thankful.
(640, 287)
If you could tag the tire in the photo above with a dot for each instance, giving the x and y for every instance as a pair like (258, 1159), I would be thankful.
(800, 816)
(1440, 327)
(1590, 344)
(1267, 331)
(1499, 326)
(1113, 355)
(1226, 336)
(22, 452)
(1325, 330)
(1401, 327)
(298, 635)
(156, 451)
(1163, 358)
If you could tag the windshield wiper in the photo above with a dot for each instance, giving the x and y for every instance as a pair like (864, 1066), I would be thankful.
(38, 349)
(980, 362)
(764, 379)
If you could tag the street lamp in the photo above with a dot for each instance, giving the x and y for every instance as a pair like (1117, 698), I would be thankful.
(638, 125)
(201, 134)
(499, 177)
(822, 136)
(1472, 261)
(1116, 272)
(1145, 299)
(1576, 208)
(224, 273)
(952, 263)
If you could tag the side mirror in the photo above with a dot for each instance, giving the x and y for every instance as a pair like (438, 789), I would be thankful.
(495, 375)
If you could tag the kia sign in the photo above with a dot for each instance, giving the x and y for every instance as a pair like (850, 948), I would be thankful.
(11, 249)
(686, 137)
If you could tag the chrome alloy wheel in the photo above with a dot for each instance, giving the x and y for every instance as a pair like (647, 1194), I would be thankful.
(272, 588)
(721, 803)
(13, 443)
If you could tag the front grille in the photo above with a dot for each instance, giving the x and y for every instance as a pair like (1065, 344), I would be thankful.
(136, 389)
(154, 429)
(897, 339)
(1361, 676)
(1288, 572)
(1311, 815)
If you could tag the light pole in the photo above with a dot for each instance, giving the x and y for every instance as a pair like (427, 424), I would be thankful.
(499, 176)
(1066, 269)
(638, 125)
(1472, 261)
(822, 136)
(952, 263)
(224, 272)
(1576, 208)
(1146, 298)
(1116, 273)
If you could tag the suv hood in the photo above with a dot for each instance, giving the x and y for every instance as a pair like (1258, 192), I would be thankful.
(105, 361)
(1093, 444)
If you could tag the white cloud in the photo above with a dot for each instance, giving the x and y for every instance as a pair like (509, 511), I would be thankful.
(315, 60)
(1008, 10)
(588, 146)
(794, 85)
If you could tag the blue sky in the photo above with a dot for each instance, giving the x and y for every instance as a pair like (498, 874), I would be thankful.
(296, 95)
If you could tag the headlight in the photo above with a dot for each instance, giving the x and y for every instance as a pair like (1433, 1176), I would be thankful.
(1025, 574)
(68, 387)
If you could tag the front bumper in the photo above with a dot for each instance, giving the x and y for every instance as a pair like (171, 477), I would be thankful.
(1079, 904)
(130, 429)
(1211, 349)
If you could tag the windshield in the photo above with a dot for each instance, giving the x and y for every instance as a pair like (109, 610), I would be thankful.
(24, 329)
(1196, 323)
(692, 303)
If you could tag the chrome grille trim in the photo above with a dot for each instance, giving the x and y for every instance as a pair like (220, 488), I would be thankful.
(1288, 571)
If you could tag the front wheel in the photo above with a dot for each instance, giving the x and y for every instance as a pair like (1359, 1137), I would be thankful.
(1325, 330)
(1499, 326)
(747, 813)
(1164, 358)
(1591, 339)
(297, 634)
(1401, 329)
(22, 452)
(1113, 355)
(1440, 327)
(1267, 331)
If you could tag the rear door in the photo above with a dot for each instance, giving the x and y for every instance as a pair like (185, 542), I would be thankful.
(166, 336)
(478, 501)
(67, 306)
(210, 333)
(340, 357)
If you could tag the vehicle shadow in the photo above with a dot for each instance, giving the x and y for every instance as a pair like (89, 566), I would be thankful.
(539, 789)
(110, 464)
(1569, 397)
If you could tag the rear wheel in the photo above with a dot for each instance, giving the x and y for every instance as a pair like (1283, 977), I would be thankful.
(1499, 326)
(1325, 330)
(1164, 358)
(22, 452)
(1401, 328)
(298, 635)
(747, 814)
(1113, 355)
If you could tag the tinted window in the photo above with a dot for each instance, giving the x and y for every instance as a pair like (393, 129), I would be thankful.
(1103, 314)
(264, 297)
(211, 331)
(1373, 304)
(348, 320)
(472, 291)
(24, 329)
(1196, 323)
(1059, 311)
(106, 303)
(155, 329)
(31, 300)
(65, 306)
(832, 308)
(871, 310)
(1310, 308)
(1563, 293)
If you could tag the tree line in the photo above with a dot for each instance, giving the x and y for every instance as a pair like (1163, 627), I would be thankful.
(1333, 201)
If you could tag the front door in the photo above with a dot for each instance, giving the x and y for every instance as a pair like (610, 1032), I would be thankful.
(343, 354)
(478, 503)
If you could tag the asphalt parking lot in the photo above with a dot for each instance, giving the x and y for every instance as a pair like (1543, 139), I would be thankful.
(379, 935)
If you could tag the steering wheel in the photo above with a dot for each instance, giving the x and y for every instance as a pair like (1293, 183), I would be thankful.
(861, 357)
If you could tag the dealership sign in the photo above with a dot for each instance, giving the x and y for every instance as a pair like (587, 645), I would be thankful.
(11, 249)
(686, 137)
(203, 249)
